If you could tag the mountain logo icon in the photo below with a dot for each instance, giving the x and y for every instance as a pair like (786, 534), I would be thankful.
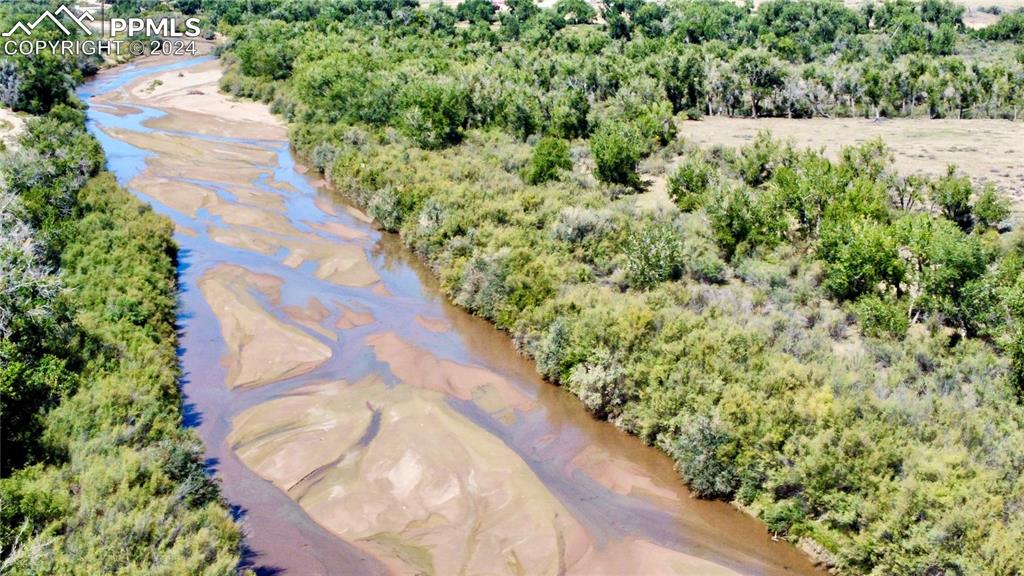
(63, 10)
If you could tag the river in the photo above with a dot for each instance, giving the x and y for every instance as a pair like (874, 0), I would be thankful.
(358, 423)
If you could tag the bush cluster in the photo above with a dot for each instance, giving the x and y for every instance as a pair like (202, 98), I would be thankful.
(98, 475)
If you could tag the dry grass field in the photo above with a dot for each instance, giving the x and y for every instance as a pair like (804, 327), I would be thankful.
(974, 17)
(986, 150)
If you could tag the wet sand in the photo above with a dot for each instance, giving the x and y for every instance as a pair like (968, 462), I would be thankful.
(261, 348)
(362, 424)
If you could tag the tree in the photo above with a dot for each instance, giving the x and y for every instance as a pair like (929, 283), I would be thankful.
(38, 82)
(865, 257)
(576, 11)
(188, 7)
(943, 41)
(10, 84)
(649, 19)
(686, 82)
(569, 114)
(617, 147)
(876, 86)
(952, 195)
(476, 11)
(266, 49)
(432, 113)
(522, 10)
(940, 260)
(760, 75)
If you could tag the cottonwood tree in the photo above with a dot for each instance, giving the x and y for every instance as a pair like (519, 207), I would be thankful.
(760, 75)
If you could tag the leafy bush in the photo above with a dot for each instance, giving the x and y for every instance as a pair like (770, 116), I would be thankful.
(952, 195)
(743, 219)
(882, 316)
(691, 182)
(575, 11)
(549, 156)
(386, 209)
(706, 266)
(574, 225)
(617, 149)
(267, 48)
(432, 114)
(1009, 27)
(653, 255)
(990, 208)
(782, 516)
(701, 453)
(475, 11)
(599, 384)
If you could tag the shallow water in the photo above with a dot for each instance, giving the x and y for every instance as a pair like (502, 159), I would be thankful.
(359, 423)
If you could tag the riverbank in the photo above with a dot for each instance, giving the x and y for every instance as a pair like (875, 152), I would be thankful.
(748, 331)
(105, 476)
(344, 434)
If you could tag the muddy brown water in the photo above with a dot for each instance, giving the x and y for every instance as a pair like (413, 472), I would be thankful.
(358, 423)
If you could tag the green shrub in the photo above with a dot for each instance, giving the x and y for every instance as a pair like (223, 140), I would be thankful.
(952, 194)
(782, 516)
(600, 384)
(743, 219)
(653, 255)
(867, 256)
(691, 182)
(706, 266)
(702, 454)
(990, 208)
(475, 11)
(569, 115)
(549, 157)
(575, 225)
(386, 208)
(617, 149)
(882, 316)
(432, 113)
(575, 11)
(757, 161)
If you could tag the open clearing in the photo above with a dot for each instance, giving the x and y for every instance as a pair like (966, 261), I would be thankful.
(11, 124)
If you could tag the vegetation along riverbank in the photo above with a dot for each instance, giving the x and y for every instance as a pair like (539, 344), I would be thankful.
(98, 475)
(834, 345)
(833, 340)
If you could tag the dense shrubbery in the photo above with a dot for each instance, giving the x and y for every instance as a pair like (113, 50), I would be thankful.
(393, 65)
(834, 346)
(830, 404)
(98, 475)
